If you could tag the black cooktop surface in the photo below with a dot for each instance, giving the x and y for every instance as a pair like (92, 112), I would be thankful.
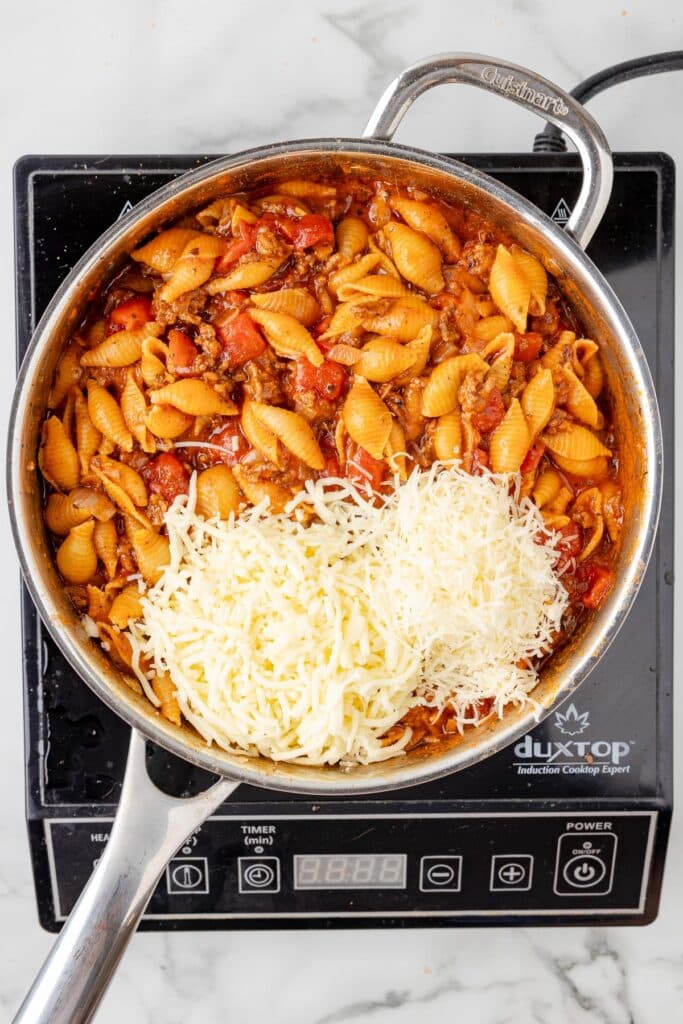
(609, 748)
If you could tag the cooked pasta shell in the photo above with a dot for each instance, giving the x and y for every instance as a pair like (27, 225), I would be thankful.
(612, 509)
(555, 521)
(162, 252)
(193, 397)
(88, 437)
(586, 469)
(106, 541)
(256, 491)
(366, 418)
(382, 359)
(538, 401)
(354, 272)
(293, 430)
(121, 349)
(193, 267)
(579, 402)
(537, 278)
(560, 501)
(57, 457)
(396, 451)
(351, 237)
(547, 487)
(165, 689)
(587, 510)
(562, 352)
(502, 348)
(593, 376)
(383, 261)
(347, 355)
(572, 441)
(404, 320)
(348, 317)
(510, 441)
(120, 496)
(381, 286)
(239, 214)
(258, 435)
(105, 414)
(287, 336)
(152, 553)
(584, 350)
(431, 222)
(68, 413)
(117, 646)
(510, 289)
(440, 395)
(61, 513)
(417, 259)
(125, 476)
(219, 212)
(419, 348)
(67, 375)
(76, 556)
(153, 363)
(134, 409)
(66, 510)
(490, 327)
(246, 275)
(217, 493)
(167, 422)
(296, 302)
(98, 603)
(447, 437)
(304, 189)
(487, 308)
(126, 605)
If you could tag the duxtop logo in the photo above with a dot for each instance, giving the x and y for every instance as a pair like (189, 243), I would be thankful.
(570, 722)
(535, 755)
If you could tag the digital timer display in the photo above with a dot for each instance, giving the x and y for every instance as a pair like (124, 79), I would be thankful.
(350, 871)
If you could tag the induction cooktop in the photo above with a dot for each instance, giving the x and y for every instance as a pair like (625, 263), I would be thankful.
(568, 825)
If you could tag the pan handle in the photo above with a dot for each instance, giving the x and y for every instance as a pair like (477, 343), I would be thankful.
(528, 90)
(149, 828)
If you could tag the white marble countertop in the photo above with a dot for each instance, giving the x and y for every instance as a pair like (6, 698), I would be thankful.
(85, 77)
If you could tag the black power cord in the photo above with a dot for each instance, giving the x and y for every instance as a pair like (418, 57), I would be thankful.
(551, 139)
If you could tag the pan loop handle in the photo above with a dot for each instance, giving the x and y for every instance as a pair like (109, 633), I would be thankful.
(149, 827)
(529, 91)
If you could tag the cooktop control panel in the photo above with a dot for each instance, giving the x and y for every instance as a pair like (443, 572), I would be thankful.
(356, 867)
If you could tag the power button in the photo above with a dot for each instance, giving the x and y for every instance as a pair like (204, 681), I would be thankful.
(585, 865)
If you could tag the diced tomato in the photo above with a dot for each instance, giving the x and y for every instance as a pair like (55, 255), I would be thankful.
(241, 340)
(480, 460)
(311, 229)
(569, 546)
(165, 475)
(597, 581)
(528, 346)
(230, 438)
(327, 380)
(364, 470)
(129, 315)
(532, 458)
(182, 351)
(245, 241)
(488, 412)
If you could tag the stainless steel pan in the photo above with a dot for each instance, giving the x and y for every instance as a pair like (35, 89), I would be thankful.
(151, 826)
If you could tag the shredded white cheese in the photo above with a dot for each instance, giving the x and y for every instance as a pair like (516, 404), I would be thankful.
(307, 643)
